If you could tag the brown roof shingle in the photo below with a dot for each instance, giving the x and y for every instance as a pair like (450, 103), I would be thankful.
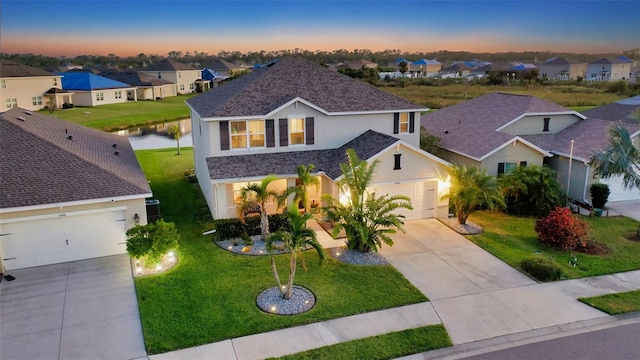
(40, 165)
(169, 65)
(10, 68)
(265, 89)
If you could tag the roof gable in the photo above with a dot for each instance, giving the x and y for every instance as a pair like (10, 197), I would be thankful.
(268, 88)
(40, 164)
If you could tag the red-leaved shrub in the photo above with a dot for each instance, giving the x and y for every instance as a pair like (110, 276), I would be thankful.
(561, 229)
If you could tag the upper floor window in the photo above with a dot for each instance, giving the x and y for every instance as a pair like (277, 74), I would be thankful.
(546, 124)
(247, 134)
(179, 75)
(404, 122)
(36, 100)
(3, 84)
(118, 94)
(159, 75)
(296, 131)
(99, 96)
(11, 103)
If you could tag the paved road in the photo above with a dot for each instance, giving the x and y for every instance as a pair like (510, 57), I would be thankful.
(620, 343)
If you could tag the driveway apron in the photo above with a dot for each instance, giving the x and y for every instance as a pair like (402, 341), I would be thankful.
(79, 310)
(476, 295)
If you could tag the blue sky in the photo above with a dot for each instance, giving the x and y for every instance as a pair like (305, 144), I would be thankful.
(130, 27)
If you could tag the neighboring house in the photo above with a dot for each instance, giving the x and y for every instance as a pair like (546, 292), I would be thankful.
(25, 86)
(296, 112)
(360, 64)
(609, 69)
(148, 87)
(225, 68)
(68, 192)
(187, 78)
(558, 68)
(499, 132)
(213, 77)
(425, 67)
(456, 70)
(484, 70)
(93, 90)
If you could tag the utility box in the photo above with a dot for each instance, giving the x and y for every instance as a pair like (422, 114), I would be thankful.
(153, 210)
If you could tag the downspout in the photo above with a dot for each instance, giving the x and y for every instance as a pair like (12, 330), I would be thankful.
(586, 182)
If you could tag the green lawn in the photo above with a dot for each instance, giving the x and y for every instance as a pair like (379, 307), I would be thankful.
(381, 347)
(210, 295)
(512, 239)
(614, 304)
(125, 115)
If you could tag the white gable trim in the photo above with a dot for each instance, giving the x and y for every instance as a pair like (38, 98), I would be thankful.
(572, 112)
(515, 141)
(75, 203)
(309, 104)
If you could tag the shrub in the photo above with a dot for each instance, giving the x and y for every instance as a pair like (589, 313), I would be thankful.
(561, 229)
(541, 268)
(152, 241)
(234, 228)
(68, 106)
(228, 228)
(278, 222)
(599, 195)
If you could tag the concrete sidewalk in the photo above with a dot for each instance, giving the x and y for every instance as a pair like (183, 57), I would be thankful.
(476, 296)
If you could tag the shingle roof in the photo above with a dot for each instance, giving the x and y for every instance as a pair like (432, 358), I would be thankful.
(10, 68)
(609, 61)
(221, 65)
(85, 81)
(366, 146)
(169, 65)
(490, 67)
(561, 61)
(135, 78)
(470, 126)
(265, 89)
(39, 165)
(625, 110)
(456, 67)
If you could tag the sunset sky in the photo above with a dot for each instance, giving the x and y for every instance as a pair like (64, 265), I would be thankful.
(127, 28)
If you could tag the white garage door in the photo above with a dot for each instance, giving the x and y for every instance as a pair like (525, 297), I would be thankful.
(64, 237)
(422, 195)
(618, 193)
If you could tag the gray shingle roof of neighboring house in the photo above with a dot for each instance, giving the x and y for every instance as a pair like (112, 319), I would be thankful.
(265, 89)
(10, 68)
(366, 145)
(456, 67)
(562, 61)
(358, 64)
(40, 165)
(490, 67)
(169, 65)
(469, 127)
(609, 61)
(135, 78)
(221, 65)
(627, 111)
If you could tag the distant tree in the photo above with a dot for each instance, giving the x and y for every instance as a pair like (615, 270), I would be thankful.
(403, 67)
(176, 133)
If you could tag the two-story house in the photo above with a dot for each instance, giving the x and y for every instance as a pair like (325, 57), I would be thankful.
(558, 68)
(148, 87)
(609, 69)
(499, 132)
(295, 112)
(186, 77)
(26, 86)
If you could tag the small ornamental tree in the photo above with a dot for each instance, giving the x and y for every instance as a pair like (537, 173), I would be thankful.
(561, 229)
(152, 241)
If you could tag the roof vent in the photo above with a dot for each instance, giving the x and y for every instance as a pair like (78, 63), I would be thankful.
(117, 153)
(20, 118)
(28, 112)
(115, 146)
(70, 137)
(446, 131)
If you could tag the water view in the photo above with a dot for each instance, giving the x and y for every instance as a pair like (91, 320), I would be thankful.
(157, 136)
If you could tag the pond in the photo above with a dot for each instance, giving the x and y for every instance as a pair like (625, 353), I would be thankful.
(157, 136)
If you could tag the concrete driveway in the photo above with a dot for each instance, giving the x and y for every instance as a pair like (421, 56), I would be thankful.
(629, 208)
(78, 310)
(476, 295)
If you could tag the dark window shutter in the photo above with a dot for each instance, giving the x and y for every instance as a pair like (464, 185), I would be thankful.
(309, 131)
(396, 158)
(396, 123)
(546, 124)
(284, 132)
(500, 169)
(270, 132)
(224, 135)
(412, 122)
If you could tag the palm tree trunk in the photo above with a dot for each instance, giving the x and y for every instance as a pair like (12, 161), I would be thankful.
(292, 274)
(178, 142)
(274, 270)
(264, 222)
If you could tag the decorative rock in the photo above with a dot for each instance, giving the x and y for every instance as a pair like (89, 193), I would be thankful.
(354, 257)
(470, 228)
(271, 301)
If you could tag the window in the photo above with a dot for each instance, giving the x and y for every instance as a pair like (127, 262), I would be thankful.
(159, 75)
(546, 124)
(11, 103)
(181, 87)
(99, 96)
(3, 84)
(237, 192)
(396, 162)
(192, 86)
(404, 122)
(179, 75)
(36, 100)
(594, 75)
(506, 168)
(118, 94)
(296, 131)
(247, 134)
(523, 164)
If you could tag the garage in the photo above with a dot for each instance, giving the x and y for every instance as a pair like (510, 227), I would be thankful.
(618, 192)
(422, 195)
(62, 237)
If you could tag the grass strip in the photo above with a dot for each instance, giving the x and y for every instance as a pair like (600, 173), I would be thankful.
(387, 346)
(614, 304)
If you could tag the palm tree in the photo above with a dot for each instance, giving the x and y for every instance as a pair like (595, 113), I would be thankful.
(620, 157)
(175, 132)
(297, 239)
(531, 190)
(366, 219)
(472, 187)
(259, 194)
(305, 180)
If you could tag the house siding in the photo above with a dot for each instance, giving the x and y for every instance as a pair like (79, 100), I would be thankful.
(534, 124)
(581, 177)
(23, 89)
(88, 98)
(182, 77)
(512, 154)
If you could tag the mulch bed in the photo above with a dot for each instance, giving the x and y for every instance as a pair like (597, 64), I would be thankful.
(594, 248)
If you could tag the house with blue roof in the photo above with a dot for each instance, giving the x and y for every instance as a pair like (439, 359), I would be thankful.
(93, 90)
(425, 67)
